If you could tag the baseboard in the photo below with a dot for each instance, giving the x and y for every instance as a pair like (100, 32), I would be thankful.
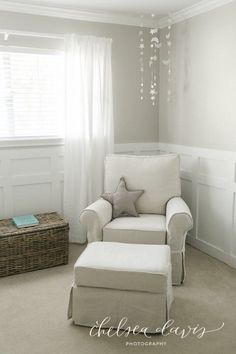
(212, 251)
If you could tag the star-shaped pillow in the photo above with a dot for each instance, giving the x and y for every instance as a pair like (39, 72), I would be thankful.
(123, 200)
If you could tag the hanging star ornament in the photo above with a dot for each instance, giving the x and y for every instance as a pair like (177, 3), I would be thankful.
(153, 30)
(153, 92)
(166, 62)
(168, 35)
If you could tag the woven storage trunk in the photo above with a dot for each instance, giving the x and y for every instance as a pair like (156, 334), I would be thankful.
(32, 248)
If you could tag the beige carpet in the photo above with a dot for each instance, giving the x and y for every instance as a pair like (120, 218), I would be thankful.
(33, 313)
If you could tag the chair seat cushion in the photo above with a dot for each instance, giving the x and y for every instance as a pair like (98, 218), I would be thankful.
(122, 266)
(146, 229)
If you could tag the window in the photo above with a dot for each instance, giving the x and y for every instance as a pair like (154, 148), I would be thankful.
(31, 94)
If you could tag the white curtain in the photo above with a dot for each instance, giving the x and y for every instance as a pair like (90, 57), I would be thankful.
(89, 124)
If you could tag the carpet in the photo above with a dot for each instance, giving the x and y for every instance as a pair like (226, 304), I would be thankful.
(33, 309)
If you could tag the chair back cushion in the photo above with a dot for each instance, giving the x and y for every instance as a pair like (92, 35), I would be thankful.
(158, 176)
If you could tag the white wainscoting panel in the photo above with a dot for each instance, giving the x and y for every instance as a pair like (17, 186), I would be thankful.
(31, 181)
(137, 148)
(32, 198)
(209, 187)
(233, 245)
(211, 221)
(31, 175)
(1, 203)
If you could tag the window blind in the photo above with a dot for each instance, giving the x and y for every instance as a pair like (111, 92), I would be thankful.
(31, 94)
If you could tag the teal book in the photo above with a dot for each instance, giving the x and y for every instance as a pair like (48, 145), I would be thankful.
(25, 221)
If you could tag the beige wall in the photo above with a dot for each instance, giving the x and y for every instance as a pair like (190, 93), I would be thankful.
(135, 121)
(202, 111)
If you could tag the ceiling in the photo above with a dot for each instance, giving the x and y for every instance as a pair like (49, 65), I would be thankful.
(160, 8)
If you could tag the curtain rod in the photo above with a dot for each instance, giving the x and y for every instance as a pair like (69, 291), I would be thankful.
(7, 32)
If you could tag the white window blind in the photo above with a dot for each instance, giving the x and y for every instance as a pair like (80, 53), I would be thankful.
(31, 94)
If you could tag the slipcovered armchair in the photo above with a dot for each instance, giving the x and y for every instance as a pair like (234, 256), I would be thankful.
(164, 217)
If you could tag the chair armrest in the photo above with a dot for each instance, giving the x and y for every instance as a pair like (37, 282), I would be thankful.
(178, 222)
(95, 217)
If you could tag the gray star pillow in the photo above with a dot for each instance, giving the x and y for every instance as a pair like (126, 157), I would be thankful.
(123, 200)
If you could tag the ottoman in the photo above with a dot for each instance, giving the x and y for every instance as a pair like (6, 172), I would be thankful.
(120, 280)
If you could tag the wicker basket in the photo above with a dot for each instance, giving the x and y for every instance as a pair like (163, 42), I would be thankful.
(32, 248)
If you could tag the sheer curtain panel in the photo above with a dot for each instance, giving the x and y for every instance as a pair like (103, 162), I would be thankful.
(89, 124)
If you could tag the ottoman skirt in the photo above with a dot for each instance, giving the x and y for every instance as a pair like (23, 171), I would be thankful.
(118, 283)
(91, 306)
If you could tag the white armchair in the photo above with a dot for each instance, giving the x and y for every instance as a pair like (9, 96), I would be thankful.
(164, 216)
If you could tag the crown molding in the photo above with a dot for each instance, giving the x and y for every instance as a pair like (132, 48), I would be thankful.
(82, 15)
(111, 17)
(191, 11)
